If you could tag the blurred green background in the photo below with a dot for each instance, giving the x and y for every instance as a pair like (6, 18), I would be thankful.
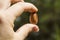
(49, 20)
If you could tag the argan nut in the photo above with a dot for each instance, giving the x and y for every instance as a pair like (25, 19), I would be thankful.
(33, 18)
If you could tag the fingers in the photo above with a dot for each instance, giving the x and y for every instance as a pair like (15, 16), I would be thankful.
(18, 8)
(15, 1)
(4, 4)
(30, 8)
(26, 29)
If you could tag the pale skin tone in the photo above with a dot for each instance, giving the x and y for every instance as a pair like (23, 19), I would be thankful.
(8, 14)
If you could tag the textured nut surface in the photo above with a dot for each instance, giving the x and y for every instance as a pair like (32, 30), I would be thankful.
(33, 18)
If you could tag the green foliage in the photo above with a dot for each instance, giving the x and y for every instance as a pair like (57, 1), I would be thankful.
(49, 20)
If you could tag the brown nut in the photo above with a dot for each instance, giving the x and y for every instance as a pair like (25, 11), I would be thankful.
(33, 18)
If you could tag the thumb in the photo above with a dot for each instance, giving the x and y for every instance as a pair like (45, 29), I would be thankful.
(25, 30)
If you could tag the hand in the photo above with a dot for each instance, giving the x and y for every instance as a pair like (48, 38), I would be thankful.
(5, 4)
(15, 1)
(7, 18)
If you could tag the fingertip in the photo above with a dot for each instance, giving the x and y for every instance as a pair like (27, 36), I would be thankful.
(35, 29)
(34, 10)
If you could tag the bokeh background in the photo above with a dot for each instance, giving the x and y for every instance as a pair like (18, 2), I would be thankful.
(49, 20)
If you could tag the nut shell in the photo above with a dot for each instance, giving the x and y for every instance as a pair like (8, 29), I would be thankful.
(33, 18)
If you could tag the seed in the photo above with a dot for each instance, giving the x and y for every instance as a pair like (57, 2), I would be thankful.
(33, 18)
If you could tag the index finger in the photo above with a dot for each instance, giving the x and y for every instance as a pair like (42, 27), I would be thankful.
(15, 1)
(4, 4)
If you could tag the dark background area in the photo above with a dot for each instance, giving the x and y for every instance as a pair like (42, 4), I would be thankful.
(49, 20)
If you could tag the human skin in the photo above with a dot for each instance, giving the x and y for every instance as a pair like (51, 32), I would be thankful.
(15, 1)
(7, 18)
(4, 4)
